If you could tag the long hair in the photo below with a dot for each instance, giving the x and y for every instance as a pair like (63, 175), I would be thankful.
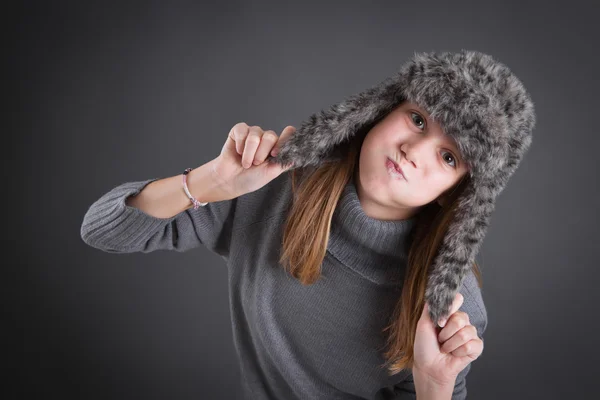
(316, 192)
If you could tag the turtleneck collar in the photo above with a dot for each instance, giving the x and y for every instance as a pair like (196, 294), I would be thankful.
(375, 249)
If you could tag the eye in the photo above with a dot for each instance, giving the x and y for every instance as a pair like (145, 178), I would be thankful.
(412, 114)
(451, 156)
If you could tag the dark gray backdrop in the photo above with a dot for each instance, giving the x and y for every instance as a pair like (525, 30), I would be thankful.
(101, 94)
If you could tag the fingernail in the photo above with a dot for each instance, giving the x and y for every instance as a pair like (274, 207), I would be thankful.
(442, 322)
(274, 153)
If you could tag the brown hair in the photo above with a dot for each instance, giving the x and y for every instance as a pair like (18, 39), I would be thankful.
(306, 235)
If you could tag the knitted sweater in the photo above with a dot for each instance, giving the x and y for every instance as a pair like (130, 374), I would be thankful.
(320, 341)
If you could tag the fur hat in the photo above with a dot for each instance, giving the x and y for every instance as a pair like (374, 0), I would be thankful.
(476, 100)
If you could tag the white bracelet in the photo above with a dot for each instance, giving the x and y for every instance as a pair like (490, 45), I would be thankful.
(194, 201)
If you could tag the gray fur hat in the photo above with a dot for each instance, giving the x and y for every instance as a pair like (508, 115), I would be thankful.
(476, 100)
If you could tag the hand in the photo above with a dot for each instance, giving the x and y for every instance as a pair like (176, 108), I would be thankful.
(442, 353)
(240, 168)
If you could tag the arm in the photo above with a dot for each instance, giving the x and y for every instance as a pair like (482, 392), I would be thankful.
(156, 214)
(165, 198)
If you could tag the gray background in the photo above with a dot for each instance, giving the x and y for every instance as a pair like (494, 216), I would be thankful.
(101, 94)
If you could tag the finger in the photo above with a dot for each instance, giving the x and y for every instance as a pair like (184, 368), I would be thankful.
(267, 141)
(285, 134)
(251, 143)
(459, 338)
(457, 321)
(472, 349)
(456, 303)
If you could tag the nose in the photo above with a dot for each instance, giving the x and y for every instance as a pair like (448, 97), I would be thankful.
(409, 157)
(420, 151)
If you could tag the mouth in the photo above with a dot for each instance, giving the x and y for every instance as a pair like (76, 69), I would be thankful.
(397, 167)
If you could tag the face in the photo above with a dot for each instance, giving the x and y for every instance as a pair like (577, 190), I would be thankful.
(429, 159)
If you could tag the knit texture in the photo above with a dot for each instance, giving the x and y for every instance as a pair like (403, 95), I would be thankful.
(320, 341)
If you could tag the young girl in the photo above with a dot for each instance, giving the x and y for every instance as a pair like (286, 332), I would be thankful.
(350, 251)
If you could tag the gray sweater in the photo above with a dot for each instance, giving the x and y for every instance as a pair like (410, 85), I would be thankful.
(320, 341)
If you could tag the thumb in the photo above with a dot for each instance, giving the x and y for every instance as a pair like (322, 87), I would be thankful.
(426, 320)
(276, 169)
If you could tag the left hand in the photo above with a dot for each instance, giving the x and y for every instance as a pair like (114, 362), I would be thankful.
(440, 354)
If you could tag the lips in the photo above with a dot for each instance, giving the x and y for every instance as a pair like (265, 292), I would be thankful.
(397, 167)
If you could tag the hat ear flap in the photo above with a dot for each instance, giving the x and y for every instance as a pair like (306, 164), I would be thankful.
(458, 248)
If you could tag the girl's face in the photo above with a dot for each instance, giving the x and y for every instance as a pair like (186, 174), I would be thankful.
(429, 159)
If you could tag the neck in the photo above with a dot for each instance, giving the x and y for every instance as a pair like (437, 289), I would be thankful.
(377, 249)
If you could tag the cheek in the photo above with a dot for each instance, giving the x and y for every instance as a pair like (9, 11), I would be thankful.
(385, 136)
(439, 185)
(393, 137)
(426, 190)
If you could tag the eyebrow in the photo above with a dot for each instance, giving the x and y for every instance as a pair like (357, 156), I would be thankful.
(452, 143)
(455, 147)
(428, 121)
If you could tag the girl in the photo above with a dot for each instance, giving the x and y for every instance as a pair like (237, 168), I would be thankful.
(350, 251)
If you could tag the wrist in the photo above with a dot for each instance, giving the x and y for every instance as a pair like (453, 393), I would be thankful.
(203, 185)
(428, 388)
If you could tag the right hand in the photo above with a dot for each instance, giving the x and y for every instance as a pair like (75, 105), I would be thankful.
(249, 146)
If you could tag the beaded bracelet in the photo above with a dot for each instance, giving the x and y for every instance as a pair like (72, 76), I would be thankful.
(194, 201)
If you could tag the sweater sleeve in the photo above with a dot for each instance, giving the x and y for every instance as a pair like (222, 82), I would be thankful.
(112, 226)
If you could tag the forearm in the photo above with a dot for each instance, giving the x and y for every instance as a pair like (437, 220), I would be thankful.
(165, 198)
(429, 390)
